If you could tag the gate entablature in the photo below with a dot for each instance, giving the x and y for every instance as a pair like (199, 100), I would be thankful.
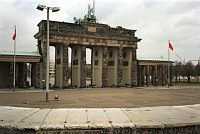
(87, 34)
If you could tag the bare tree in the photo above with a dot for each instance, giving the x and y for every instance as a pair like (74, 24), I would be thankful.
(188, 71)
(197, 71)
(178, 70)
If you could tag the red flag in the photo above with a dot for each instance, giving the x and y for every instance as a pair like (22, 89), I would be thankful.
(14, 35)
(170, 46)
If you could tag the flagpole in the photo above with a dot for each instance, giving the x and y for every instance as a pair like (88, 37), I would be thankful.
(14, 61)
(168, 66)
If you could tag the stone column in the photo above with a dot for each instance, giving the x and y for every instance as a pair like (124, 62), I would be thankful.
(119, 67)
(97, 54)
(134, 69)
(78, 66)
(22, 74)
(153, 74)
(83, 67)
(105, 67)
(159, 75)
(156, 75)
(171, 77)
(150, 75)
(162, 75)
(166, 74)
(58, 65)
(92, 66)
(127, 66)
(42, 78)
(11, 74)
(35, 75)
(61, 66)
(147, 75)
(43, 48)
(142, 75)
(139, 73)
(65, 66)
(112, 66)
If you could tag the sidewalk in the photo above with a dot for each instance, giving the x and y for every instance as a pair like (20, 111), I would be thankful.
(145, 120)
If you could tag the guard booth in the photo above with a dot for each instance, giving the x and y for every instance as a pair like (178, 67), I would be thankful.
(27, 69)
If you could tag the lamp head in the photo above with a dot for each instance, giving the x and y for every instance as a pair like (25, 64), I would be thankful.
(55, 9)
(41, 7)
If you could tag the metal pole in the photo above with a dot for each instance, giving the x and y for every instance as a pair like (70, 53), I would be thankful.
(168, 67)
(47, 66)
(198, 68)
(14, 61)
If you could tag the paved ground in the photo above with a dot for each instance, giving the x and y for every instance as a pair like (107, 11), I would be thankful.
(103, 97)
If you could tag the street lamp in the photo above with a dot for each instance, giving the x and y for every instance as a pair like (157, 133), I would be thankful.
(54, 9)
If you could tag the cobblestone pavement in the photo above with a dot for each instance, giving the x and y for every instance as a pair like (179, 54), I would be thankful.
(102, 97)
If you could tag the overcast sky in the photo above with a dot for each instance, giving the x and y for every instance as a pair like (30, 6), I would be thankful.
(156, 22)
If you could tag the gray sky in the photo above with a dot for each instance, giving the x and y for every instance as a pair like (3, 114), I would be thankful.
(156, 22)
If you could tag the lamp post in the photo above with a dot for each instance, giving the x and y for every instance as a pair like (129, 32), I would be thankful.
(54, 9)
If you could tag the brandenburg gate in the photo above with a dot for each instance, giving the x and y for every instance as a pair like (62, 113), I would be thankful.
(113, 53)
